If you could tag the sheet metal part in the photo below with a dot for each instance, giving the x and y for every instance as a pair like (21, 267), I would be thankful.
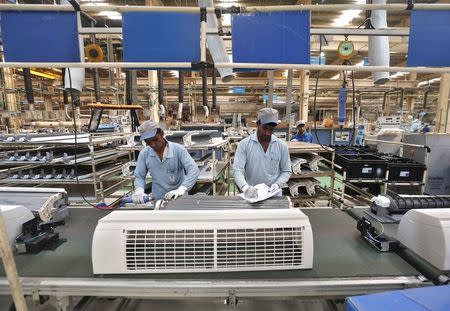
(296, 164)
(223, 202)
(309, 184)
(200, 137)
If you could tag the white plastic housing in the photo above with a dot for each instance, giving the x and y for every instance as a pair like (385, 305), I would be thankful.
(177, 241)
(427, 233)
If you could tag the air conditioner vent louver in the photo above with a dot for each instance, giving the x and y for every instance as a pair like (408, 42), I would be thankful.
(260, 247)
(177, 241)
(169, 249)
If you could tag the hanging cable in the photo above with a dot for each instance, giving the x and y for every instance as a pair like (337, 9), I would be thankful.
(76, 141)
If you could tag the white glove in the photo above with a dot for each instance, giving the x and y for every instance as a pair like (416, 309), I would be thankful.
(274, 188)
(138, 196)
(250, 191)
(175, 194)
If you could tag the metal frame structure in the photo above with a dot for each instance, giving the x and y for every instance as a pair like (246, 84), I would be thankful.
(203, 32)
(97, 179)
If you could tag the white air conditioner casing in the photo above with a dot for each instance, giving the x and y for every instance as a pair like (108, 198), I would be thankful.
(427, 233)
(166, 241)
(14, 217)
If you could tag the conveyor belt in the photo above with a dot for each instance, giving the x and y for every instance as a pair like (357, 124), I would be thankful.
(339, 252)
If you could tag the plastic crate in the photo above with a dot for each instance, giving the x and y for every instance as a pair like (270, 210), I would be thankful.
(362, 166)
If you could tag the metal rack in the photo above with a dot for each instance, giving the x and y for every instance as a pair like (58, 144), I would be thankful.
(296, 148)
(104, 180)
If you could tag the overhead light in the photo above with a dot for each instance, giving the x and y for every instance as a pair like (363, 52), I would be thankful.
(398, 74)
(347, 16)
(47, 75)
(111, 15)
(335, 77)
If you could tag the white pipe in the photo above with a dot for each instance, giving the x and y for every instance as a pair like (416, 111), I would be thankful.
(74, 77)
(216, 46)
(137, 8)
(403, 31)
(229, 65)
(203, 41)
(379, 45)
(180, 111)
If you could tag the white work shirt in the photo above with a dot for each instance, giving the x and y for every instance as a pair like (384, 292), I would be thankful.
(177, 168)
(253, 166)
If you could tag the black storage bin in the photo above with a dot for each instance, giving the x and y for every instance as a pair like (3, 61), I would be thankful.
(362, 166)
(404, 170)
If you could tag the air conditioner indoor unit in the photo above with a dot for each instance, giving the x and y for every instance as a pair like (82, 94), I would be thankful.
(177, 241)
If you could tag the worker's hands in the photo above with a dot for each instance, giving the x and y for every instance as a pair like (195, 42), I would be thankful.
(175, 194)
(274, 188)
(250, 191)
(138, 196)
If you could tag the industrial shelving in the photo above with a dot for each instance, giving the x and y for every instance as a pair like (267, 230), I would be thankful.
(103, 178)
(298, 148)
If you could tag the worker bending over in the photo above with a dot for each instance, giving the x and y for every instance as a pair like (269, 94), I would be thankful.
(262, 157)
(172, 169)
(302, 134)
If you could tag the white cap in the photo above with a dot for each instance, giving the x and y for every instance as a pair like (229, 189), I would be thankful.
(300, 122)
(268, 115)
(148, 129)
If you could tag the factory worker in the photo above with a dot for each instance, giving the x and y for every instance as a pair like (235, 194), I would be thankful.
(172, 169)
(262, 157)
(302, 134)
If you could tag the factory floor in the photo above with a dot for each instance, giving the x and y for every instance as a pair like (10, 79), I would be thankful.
(107, 304)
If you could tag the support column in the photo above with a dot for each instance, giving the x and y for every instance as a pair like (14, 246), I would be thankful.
(11, 100)
(289, 95)
(304, 95)
(153, 96)
(410, 99)
(270, 81)
(443, 111)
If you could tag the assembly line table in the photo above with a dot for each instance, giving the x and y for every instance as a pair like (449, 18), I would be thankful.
(344, 265)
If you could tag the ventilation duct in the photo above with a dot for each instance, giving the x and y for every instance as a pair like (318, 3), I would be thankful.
(379, 45)
(215, 43)
(74, 77)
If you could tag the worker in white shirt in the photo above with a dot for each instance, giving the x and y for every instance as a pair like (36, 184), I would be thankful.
(172, 168)
(262, 157)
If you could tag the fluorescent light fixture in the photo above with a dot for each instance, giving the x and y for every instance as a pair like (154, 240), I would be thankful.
(399, 74)
(47, 75)
(347, 16)
(335, 77)
(111, 15)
